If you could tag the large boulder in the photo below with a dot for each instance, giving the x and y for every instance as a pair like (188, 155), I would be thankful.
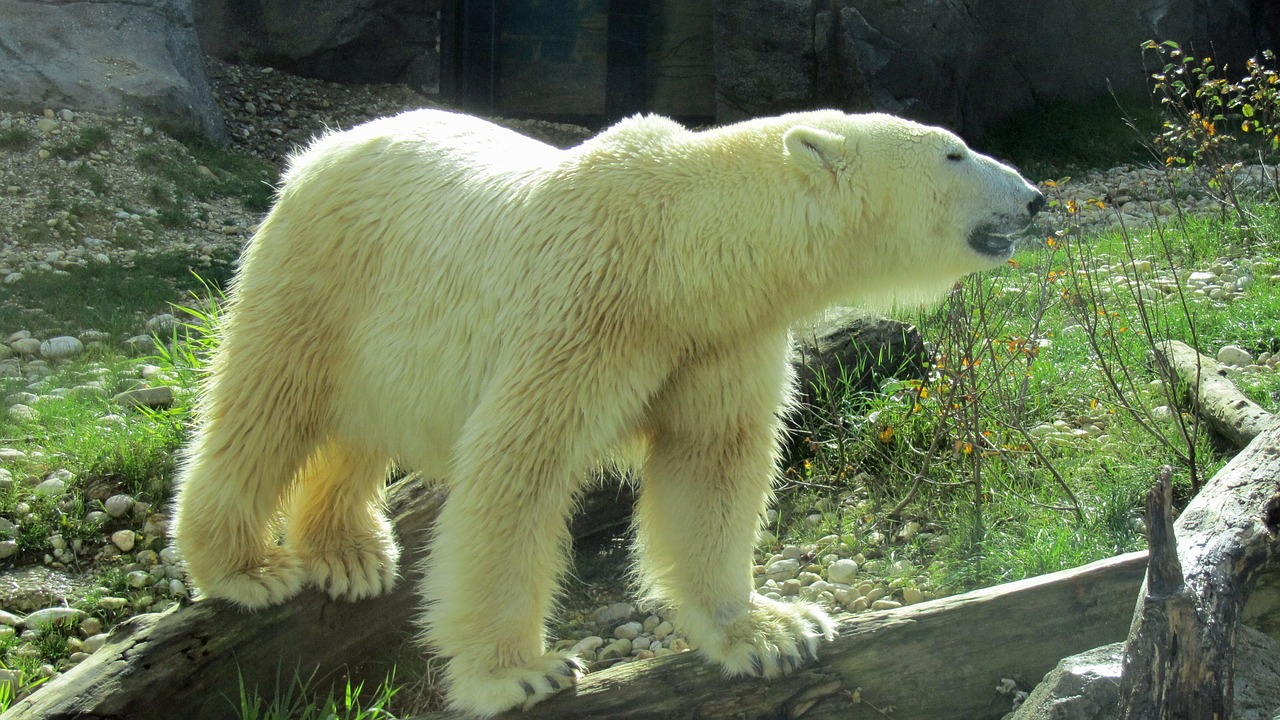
(348, 41)
(107, 56)
(1087, 686)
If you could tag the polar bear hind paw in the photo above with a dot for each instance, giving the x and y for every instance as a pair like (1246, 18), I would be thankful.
(276, 579)
(362, 568)
(521, 687)
(773, 638)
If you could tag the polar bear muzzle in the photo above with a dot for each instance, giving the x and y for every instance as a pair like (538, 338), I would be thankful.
(996, 239)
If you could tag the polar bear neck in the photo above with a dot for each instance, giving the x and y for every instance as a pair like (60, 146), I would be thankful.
(730, 231)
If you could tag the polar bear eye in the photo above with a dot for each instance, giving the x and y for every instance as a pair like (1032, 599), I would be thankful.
(955, 156)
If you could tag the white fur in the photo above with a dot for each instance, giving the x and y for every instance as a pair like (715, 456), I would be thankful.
(486, 308)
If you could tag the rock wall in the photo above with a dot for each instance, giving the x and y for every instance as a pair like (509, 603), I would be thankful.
(961, 63)
(350, 41)
(136, 56)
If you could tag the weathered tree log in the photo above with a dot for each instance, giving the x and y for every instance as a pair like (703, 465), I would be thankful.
(940, 659)
(1215, 398)
(1179, 657)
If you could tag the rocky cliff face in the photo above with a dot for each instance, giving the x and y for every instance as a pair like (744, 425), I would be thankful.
(961, 63)
(350, 41)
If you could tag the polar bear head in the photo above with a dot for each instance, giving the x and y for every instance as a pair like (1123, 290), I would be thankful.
(926, 207)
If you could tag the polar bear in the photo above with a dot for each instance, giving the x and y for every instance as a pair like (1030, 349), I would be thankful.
(438, 290)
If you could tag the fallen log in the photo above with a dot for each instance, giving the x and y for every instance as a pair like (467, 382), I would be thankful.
(939, 659)
(1179, 658)
(1211, 394)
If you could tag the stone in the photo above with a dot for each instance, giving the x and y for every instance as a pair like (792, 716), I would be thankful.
(141, 57)
(48, 616)
(124, 539)
(842, 571)
(112, 604)
(613, 614)
(587, 646)
(617, 649)
(911, 596)
(964, 65)
(117, 506)
(61, 347)
(663, 629)
(27, 347)
(782, 570)
(93, 643)
(53, 486)
(90, 626)
(22, 413)
(149, 397)
(1235, 356)
(627, 631)
(765, 57)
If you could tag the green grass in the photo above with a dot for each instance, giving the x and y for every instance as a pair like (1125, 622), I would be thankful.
(300, 699)
(107, 297)
(16, 139)
(82, 142)
(204, 171)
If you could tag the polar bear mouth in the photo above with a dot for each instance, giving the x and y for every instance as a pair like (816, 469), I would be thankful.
(990, 243)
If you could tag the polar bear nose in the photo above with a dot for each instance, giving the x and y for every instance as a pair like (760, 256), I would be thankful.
(1037, 204)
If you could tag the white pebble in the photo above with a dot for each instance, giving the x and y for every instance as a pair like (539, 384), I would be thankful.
(124, 539)
(1234, 355)
(628, 631)
(94, 643)
(118, 506)
(61, 347)
(842, 571)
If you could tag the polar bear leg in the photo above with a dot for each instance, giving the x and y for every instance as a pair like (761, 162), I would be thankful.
(498, 550)
(703, 493)
(335, 522)
(242, 461)
(501, 541)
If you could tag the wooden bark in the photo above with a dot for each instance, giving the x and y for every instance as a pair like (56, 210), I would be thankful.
(940, 659)
(1215, 398)
(1179, 658)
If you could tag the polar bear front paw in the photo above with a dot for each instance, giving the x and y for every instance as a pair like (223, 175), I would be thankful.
(488, 694)
(362, 567)
(276, 579)
(773, 638)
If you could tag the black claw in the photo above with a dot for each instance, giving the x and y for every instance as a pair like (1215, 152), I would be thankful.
(566, 669)
(793, 663)
(810, 650)
(528, 689)
(758, 664)
(573, 665)
(554, 682)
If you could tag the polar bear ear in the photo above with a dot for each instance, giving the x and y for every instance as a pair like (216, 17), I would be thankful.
(816, 149)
